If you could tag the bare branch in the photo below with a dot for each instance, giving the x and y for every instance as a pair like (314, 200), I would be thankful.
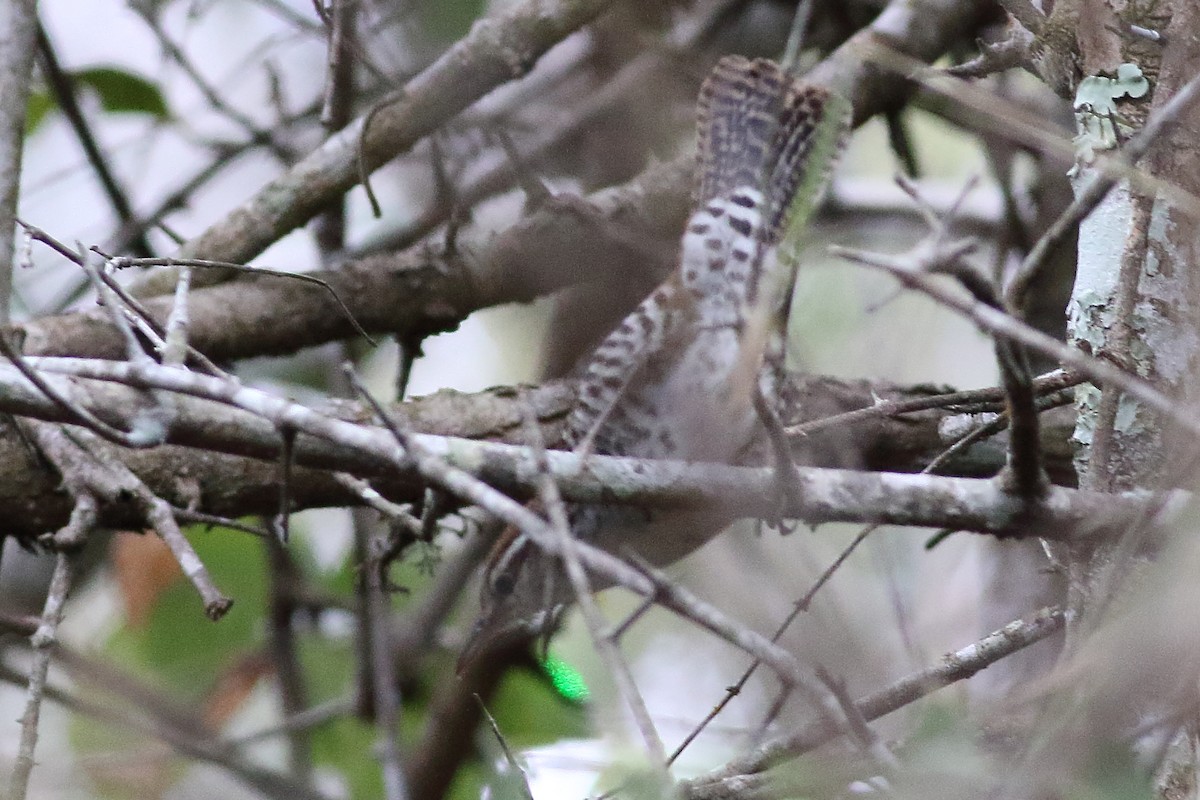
(606, 645)
(43, 640)
(18, 36)
(951, 668)
(1000, 324)
(826, 494)
(497, 50)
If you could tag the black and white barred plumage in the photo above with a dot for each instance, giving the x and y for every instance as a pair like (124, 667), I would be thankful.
(675, 379)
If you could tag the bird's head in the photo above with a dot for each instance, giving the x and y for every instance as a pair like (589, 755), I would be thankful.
(522, 596)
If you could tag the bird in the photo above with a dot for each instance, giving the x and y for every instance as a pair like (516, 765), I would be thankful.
(677, 377)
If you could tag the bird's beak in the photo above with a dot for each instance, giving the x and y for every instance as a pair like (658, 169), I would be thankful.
(479, 641)
(490, 634)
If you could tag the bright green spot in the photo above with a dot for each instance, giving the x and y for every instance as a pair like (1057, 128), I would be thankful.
(566, 680)
(531, 711)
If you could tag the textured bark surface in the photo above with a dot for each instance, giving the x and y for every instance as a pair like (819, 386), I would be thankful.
(224, 461)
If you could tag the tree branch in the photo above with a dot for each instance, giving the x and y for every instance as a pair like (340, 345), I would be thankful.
(951, 668)
(18, 34)
(244, 480)
(497, 50)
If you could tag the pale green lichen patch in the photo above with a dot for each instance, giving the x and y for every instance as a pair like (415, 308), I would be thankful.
(1096, 117)
(1087, 402)
(1089, 320)
(1129, 416)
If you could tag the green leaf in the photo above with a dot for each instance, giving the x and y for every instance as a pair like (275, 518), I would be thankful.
(40, 104)
(348, 745)
(123, 92)
(179, 644)
(449, 19)
(530, 711)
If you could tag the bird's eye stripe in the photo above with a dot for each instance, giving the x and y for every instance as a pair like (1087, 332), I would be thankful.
(507, 562)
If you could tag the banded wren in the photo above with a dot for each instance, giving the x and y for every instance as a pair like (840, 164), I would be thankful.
(677, 378)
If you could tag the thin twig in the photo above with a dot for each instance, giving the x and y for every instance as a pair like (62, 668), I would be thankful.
(795, 41)
(307, 719)
(867, 739)
(107, 477)
(42, 640)
(998, 323)
(16, 66)
(175, 340)
(950, 668)
(803, 604)
(384, 679)
(191, 517)
(383, 669)
(671, 595)
(284, 578)
(122, 262)
(972, 401)
(155, 332)
(607, 647)
(146, 323)
(282, 522)
(396, 514)
(526, 792)
(799, 606)
(1024, 474)
(781, 451)
(92, 265)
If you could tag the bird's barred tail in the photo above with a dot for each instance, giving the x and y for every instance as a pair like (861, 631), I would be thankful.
(762, 129)
(768, 143)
